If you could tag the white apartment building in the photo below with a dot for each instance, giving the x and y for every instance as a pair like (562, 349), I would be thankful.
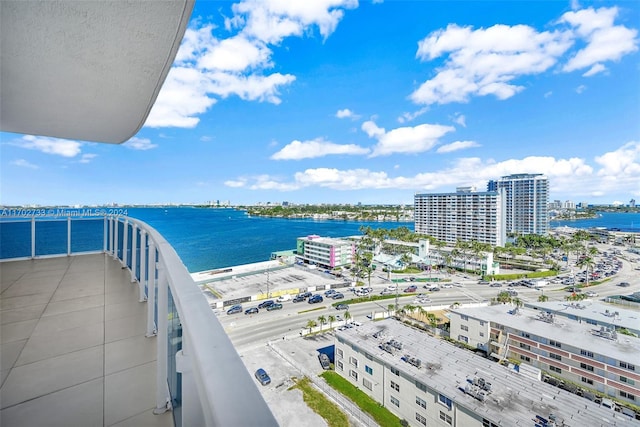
(592, 356)
(430, 382)
(526, 202)
(464, 215)
(324, 251)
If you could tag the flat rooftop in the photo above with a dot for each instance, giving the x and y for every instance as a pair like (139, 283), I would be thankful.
(563, 329)
(514, 400)
(74, 351)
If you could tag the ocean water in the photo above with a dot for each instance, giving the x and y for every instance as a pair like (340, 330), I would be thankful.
(621, 221)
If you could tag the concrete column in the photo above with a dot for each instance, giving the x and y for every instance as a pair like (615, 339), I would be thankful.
(151, 290)
(163, 398)
(134, 251)
(143, 266)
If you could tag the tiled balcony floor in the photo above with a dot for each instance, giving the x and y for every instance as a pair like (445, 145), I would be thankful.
(72, 345)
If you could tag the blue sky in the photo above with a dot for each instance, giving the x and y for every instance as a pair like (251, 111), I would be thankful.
(340, 101)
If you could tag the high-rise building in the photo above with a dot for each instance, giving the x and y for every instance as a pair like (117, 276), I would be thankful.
(526, 202)
(465, 215)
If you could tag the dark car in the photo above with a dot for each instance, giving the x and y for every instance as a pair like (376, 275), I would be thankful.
(251, 310)
(495, 285)
(337, 296)
(324, 361)
(342, 307)
(263, 377)
(315, 299)
(624, 284)
(267, 303)
(235, 309)
(306, 295)
(330, 292)
(298, 298)
(276, 306)
(411, 288)
(574, 289)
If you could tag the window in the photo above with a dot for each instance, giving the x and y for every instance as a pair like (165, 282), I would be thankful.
(444, 400)
(524, 334)
(587, 380)
(463, 317)
(395, 371)
(464, 327)
(367, 384)
(586, 353)
(422, 420)
(421, 386)
(587, 367)
(555, 356)
(591, 322)
(353, 374)
(554, 369)
(368, 356)
(525, 346)
(340, 353)
(627, 380)
(525, 358)
(340, 365)
(421, 402)
(446, 418)
(487, 423)
(481, 334)
(481, 323)
(628, 366)
(395, 386)
(627, 395)
(353, 361)
(395, 401)
(555, 343)
(368, 369)
(463, 339)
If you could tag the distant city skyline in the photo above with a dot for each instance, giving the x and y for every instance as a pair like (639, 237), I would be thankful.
(340, 101)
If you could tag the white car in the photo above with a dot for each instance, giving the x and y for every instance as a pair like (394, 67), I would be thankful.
(446, 285)
(591, 294)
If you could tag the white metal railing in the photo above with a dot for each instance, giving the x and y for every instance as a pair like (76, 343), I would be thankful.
(215, 387)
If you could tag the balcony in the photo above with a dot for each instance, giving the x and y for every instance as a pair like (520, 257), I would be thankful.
(103, 337)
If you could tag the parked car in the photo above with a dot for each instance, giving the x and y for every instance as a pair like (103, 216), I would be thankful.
(592, 294)
(298, 298)
(262, 377)
(342, 307)
(337, 295)
(283, 298)
(329, 292)
(251, 310)
(315, 299)
(411, 288)
(324, 361)
(574, 289)
(276, 306)
(265, 304)
(235, 309)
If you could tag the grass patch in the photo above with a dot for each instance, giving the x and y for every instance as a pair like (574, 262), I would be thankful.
(379, 413)
(369, 299)
(322, 406)
(313, 309)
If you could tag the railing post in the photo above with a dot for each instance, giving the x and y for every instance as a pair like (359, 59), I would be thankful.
(151, 290)
(143, 265)
(68, 236)
(162, 391)
(134, 251)
(112, 236)
(33, 237)
(192, 414)
(105, 234)
(116, 226)
(125, 242)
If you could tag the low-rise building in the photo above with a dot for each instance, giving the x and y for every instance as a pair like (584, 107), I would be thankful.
(592, 356)
(430, 382)
(325, 252)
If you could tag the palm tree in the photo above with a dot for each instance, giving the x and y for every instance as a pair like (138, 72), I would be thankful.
(405, 259)
(347, 316)
(517, 302)
(391, 307)
(543, 298)
(587, 262)
(332, 319)
(322, 321)
(311, 324)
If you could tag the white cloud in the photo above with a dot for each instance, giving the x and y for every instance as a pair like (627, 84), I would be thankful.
(407, 117)
(460, 119)
(581, 89)
(239, 183)
(596, 69)
(485, 61)
(605, 40)
(548, 94)
(24, 164)
(622, 163)
(86, 158)
(457, 146)
(346, 114)
(136, 143)
(206, 66)
(59, 147)
(404, 139)
(297, 150)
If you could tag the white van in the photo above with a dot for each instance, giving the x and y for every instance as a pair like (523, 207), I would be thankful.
(283, 298)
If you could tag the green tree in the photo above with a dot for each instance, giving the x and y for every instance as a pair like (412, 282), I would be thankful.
(331, 319)
(347, 316)
(587, 262)
(311, 324)
(543, 298)
(323, 320)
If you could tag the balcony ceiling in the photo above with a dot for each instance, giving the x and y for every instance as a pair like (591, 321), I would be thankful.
(85, 70)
